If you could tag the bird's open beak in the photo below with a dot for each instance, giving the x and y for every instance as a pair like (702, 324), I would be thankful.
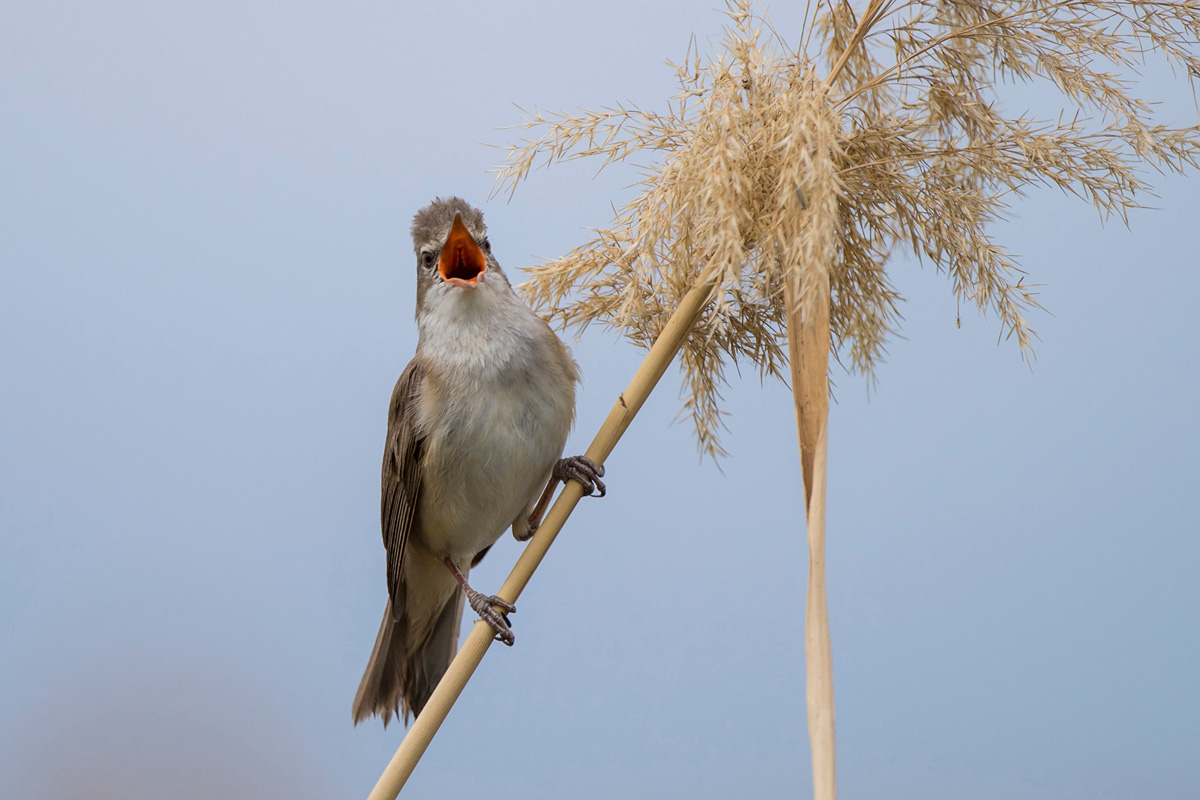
(462, 262)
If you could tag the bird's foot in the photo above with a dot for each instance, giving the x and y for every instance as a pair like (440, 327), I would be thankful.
(575, 468)
(482, 604)
(583, 470)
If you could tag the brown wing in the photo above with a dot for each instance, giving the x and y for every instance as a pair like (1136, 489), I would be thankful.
(401, 477)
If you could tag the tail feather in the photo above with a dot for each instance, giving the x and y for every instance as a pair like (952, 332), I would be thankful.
(401, 675)
(431, 661)
(379, 690)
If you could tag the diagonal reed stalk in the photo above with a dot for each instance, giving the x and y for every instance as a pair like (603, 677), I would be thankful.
(469, 656)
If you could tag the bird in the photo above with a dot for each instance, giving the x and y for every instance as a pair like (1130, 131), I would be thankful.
(476, 429)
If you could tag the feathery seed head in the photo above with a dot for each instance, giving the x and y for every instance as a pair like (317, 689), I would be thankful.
(881, 132)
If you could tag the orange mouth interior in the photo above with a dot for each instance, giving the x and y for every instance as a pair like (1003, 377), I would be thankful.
(462, 261)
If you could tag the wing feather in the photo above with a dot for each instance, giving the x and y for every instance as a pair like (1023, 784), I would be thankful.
(401, 478)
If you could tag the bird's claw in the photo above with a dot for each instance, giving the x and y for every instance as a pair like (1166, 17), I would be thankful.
(582, 470)
(483, 605)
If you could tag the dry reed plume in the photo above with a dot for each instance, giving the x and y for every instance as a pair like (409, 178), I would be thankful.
(881, 131)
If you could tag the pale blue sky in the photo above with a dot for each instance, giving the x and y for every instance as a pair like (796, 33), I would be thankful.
(206, 295)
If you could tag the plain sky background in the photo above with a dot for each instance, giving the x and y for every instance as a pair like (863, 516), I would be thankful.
(206, 291)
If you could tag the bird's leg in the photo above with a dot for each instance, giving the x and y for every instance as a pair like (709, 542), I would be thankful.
(576, 468)
(482, 604)
(535, 516)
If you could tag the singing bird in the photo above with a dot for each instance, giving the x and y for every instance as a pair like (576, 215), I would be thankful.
(476, 428)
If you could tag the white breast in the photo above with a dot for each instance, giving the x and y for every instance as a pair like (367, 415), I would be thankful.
(496, 405)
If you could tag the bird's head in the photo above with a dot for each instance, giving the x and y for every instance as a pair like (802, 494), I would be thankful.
(454, 257)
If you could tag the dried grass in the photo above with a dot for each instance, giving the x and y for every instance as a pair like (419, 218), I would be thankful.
(881, 132)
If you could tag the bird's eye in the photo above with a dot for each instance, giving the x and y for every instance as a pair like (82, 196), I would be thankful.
(427, 258)
(486, 245)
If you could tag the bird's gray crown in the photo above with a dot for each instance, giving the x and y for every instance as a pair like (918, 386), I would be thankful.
(431, 223)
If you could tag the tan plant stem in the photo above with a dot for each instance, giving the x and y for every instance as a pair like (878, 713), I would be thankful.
(661, 354)
(808, 347)
(870, 16)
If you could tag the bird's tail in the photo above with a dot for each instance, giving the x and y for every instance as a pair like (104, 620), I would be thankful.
(402, 674)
